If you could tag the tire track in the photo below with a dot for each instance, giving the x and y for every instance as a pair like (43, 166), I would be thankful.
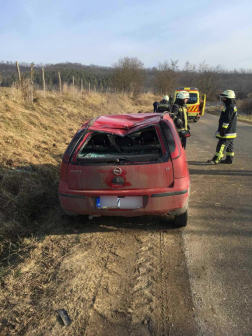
(148, 308)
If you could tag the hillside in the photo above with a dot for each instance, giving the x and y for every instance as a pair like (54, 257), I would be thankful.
(34, 139)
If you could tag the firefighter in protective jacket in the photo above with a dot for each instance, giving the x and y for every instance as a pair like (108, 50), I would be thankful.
(179, 113)
(227, 130)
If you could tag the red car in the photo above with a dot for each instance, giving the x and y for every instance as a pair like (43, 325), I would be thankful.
(126, 165)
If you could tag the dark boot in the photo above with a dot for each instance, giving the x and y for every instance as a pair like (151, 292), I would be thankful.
(213, 161)
(228, 160)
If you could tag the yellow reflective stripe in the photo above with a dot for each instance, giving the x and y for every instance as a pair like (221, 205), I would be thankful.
(227, 136)
(185, 117)
(230, 154)
(225, 125)
(220, 154)
(235, 109)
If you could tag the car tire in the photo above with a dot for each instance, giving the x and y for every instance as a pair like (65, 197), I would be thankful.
(181, 220)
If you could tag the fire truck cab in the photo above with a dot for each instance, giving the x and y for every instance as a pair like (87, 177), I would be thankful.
(195, 105)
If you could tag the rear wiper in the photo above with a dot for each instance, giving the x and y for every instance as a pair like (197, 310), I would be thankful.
(141, 158)
(125, 159)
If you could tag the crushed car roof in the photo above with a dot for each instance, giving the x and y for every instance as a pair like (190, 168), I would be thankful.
(124, 123)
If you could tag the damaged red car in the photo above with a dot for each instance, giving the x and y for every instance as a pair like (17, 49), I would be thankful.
(126, 165)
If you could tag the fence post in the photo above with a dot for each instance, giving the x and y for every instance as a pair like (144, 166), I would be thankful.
(89, 88)
(32, 72)
(43, 79)
(18, 70)
(59, 82)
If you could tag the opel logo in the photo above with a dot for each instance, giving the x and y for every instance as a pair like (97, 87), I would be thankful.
(117, 171)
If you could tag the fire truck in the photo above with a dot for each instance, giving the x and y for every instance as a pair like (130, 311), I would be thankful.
(195, 105)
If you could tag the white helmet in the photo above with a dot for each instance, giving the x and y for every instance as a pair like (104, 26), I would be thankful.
(183, 95)
(166, 97)
(228, 94)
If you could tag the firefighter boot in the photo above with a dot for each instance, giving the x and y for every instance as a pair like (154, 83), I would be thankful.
(214, 161)
(228, 160)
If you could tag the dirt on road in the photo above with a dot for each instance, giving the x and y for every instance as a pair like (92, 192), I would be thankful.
(114, 276)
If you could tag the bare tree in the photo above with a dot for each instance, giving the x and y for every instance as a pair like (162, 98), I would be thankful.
(128, 75)
(208, 79)
(189, 75)
(166, 77)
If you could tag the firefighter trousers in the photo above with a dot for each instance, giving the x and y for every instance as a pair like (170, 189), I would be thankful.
(222, 146)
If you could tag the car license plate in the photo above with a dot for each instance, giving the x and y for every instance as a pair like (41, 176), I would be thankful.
(119, 202)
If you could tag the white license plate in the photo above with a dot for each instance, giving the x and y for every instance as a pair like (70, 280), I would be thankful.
(117, 202)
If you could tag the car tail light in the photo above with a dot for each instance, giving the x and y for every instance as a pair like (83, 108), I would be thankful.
(63, 171)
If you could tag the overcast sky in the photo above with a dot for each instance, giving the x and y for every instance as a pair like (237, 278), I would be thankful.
(100, 32)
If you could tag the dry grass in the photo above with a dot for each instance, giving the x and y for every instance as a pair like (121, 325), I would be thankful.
(34, 137)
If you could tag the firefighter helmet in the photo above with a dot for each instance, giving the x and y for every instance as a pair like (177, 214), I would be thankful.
(183, 95)
(166, 97)
(228, 94)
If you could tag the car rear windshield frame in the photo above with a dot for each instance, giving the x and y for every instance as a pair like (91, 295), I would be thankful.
(122, 156)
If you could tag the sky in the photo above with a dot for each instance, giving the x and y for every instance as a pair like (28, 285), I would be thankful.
(100, 32)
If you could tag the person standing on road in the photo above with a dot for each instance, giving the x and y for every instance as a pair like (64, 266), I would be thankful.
(227, 130)
(155, 105)
(179, 114)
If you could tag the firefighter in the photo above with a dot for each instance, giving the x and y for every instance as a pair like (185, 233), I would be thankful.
(227, 130)
(155, 105)
(165, 100)
(179, 114)
(164, 104)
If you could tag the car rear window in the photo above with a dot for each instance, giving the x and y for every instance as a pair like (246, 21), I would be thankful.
(142, 145)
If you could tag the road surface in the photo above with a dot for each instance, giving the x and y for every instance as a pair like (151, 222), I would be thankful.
(218, 238)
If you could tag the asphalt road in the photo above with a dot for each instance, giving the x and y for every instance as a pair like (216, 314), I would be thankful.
(218, 243)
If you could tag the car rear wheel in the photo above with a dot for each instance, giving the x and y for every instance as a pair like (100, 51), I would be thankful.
(181, 220)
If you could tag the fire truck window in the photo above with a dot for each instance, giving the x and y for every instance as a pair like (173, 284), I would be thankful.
(193, 98)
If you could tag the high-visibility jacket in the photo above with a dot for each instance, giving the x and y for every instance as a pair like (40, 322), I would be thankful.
(228, 121)
(180, 116)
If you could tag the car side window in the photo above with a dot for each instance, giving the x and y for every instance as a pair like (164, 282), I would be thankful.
(168, 136)
(74, 141)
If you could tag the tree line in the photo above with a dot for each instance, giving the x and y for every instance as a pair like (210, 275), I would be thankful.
(130, 75)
